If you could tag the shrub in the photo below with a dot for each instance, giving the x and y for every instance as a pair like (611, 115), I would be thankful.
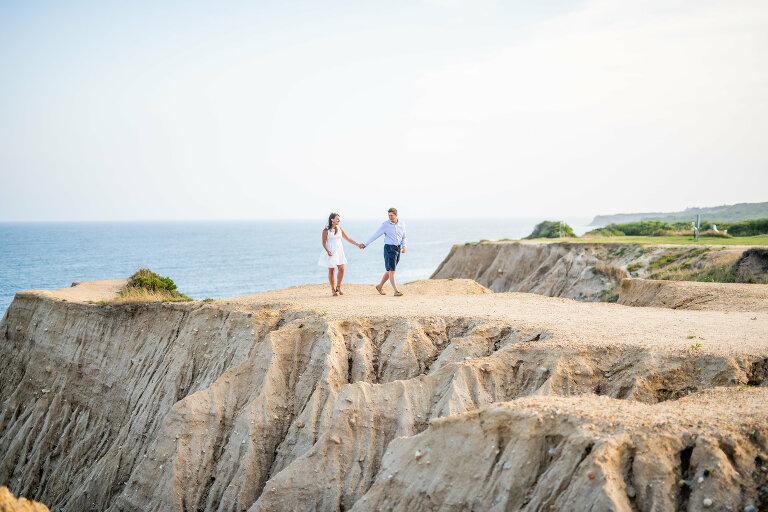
(681, 226)
(746, 227)
(606, 231)
(146, 286)
(643, 228)
(145, 278)
(551, 229)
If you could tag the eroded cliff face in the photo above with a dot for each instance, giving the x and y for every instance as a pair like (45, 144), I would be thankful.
(587, 271)
(692, 295)
(576, 271)
(276, 404)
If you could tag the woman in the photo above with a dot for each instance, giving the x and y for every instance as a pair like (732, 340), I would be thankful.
(334, 252)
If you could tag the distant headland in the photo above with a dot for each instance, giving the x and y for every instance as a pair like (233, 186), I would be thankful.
(724, 213)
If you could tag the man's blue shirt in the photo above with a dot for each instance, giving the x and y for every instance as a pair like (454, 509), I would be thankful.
(394, 234)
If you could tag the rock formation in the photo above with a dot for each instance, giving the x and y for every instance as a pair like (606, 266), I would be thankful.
(692, 295)
(588, 271)
(449, 398)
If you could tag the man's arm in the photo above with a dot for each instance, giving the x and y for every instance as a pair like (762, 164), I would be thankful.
(403, 242)
(376, 235)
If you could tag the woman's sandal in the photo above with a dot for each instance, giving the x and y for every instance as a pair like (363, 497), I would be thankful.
(334, 293)
(399, 294)
(338, 290)
(379, 290)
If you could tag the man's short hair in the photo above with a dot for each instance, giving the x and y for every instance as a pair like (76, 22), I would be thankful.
(392, 210)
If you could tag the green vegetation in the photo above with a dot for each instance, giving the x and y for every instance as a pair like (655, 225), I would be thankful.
(755, 227)
(747, 228)
(641, 228)
(609, 230)
(551, 229)
(207, 299)
(716, 273)
(147, 286)
(675, 239)
(609, 295)
(671, 257)
(145, 278)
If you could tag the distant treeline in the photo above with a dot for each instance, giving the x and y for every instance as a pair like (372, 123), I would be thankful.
(717, 214)
(658, 228)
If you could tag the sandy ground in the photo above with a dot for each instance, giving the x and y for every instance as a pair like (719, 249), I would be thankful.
(570, 322)
(86, 291)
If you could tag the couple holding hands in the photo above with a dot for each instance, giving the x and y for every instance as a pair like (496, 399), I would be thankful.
(394, 242)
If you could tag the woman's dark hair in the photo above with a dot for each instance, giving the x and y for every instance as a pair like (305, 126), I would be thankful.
(330, 222)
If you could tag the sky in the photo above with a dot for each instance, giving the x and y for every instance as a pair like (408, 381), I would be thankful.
(119, 111)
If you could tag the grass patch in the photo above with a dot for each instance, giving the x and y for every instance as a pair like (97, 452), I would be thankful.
(616, 273)
(609, 295)
(675, 239)
(207, 299)
(663, 260)
(717, 273)
(721, 271)
(146, 286)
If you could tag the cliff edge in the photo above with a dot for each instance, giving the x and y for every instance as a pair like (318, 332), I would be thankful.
(449, 398)
(593, 271)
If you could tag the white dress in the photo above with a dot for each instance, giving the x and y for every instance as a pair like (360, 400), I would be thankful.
(334, 245)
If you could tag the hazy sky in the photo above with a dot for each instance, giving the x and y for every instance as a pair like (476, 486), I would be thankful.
(245, 110)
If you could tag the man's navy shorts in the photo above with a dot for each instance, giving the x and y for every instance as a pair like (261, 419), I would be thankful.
(391, 256)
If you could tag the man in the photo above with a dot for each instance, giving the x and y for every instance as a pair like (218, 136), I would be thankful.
(394, 242)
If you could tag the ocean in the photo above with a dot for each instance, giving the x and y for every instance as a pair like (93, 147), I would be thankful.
(225, 258)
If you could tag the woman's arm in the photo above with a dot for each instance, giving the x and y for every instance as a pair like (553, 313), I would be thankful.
(344, 234)
(325, 240)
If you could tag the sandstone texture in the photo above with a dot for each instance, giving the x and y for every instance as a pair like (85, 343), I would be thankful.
(692, 295)
(590, 271)
(448, 398)
(752, 266)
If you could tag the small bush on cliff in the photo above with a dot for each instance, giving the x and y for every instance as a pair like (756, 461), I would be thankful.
(145, 278)
(551, 229)
(147, 286)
